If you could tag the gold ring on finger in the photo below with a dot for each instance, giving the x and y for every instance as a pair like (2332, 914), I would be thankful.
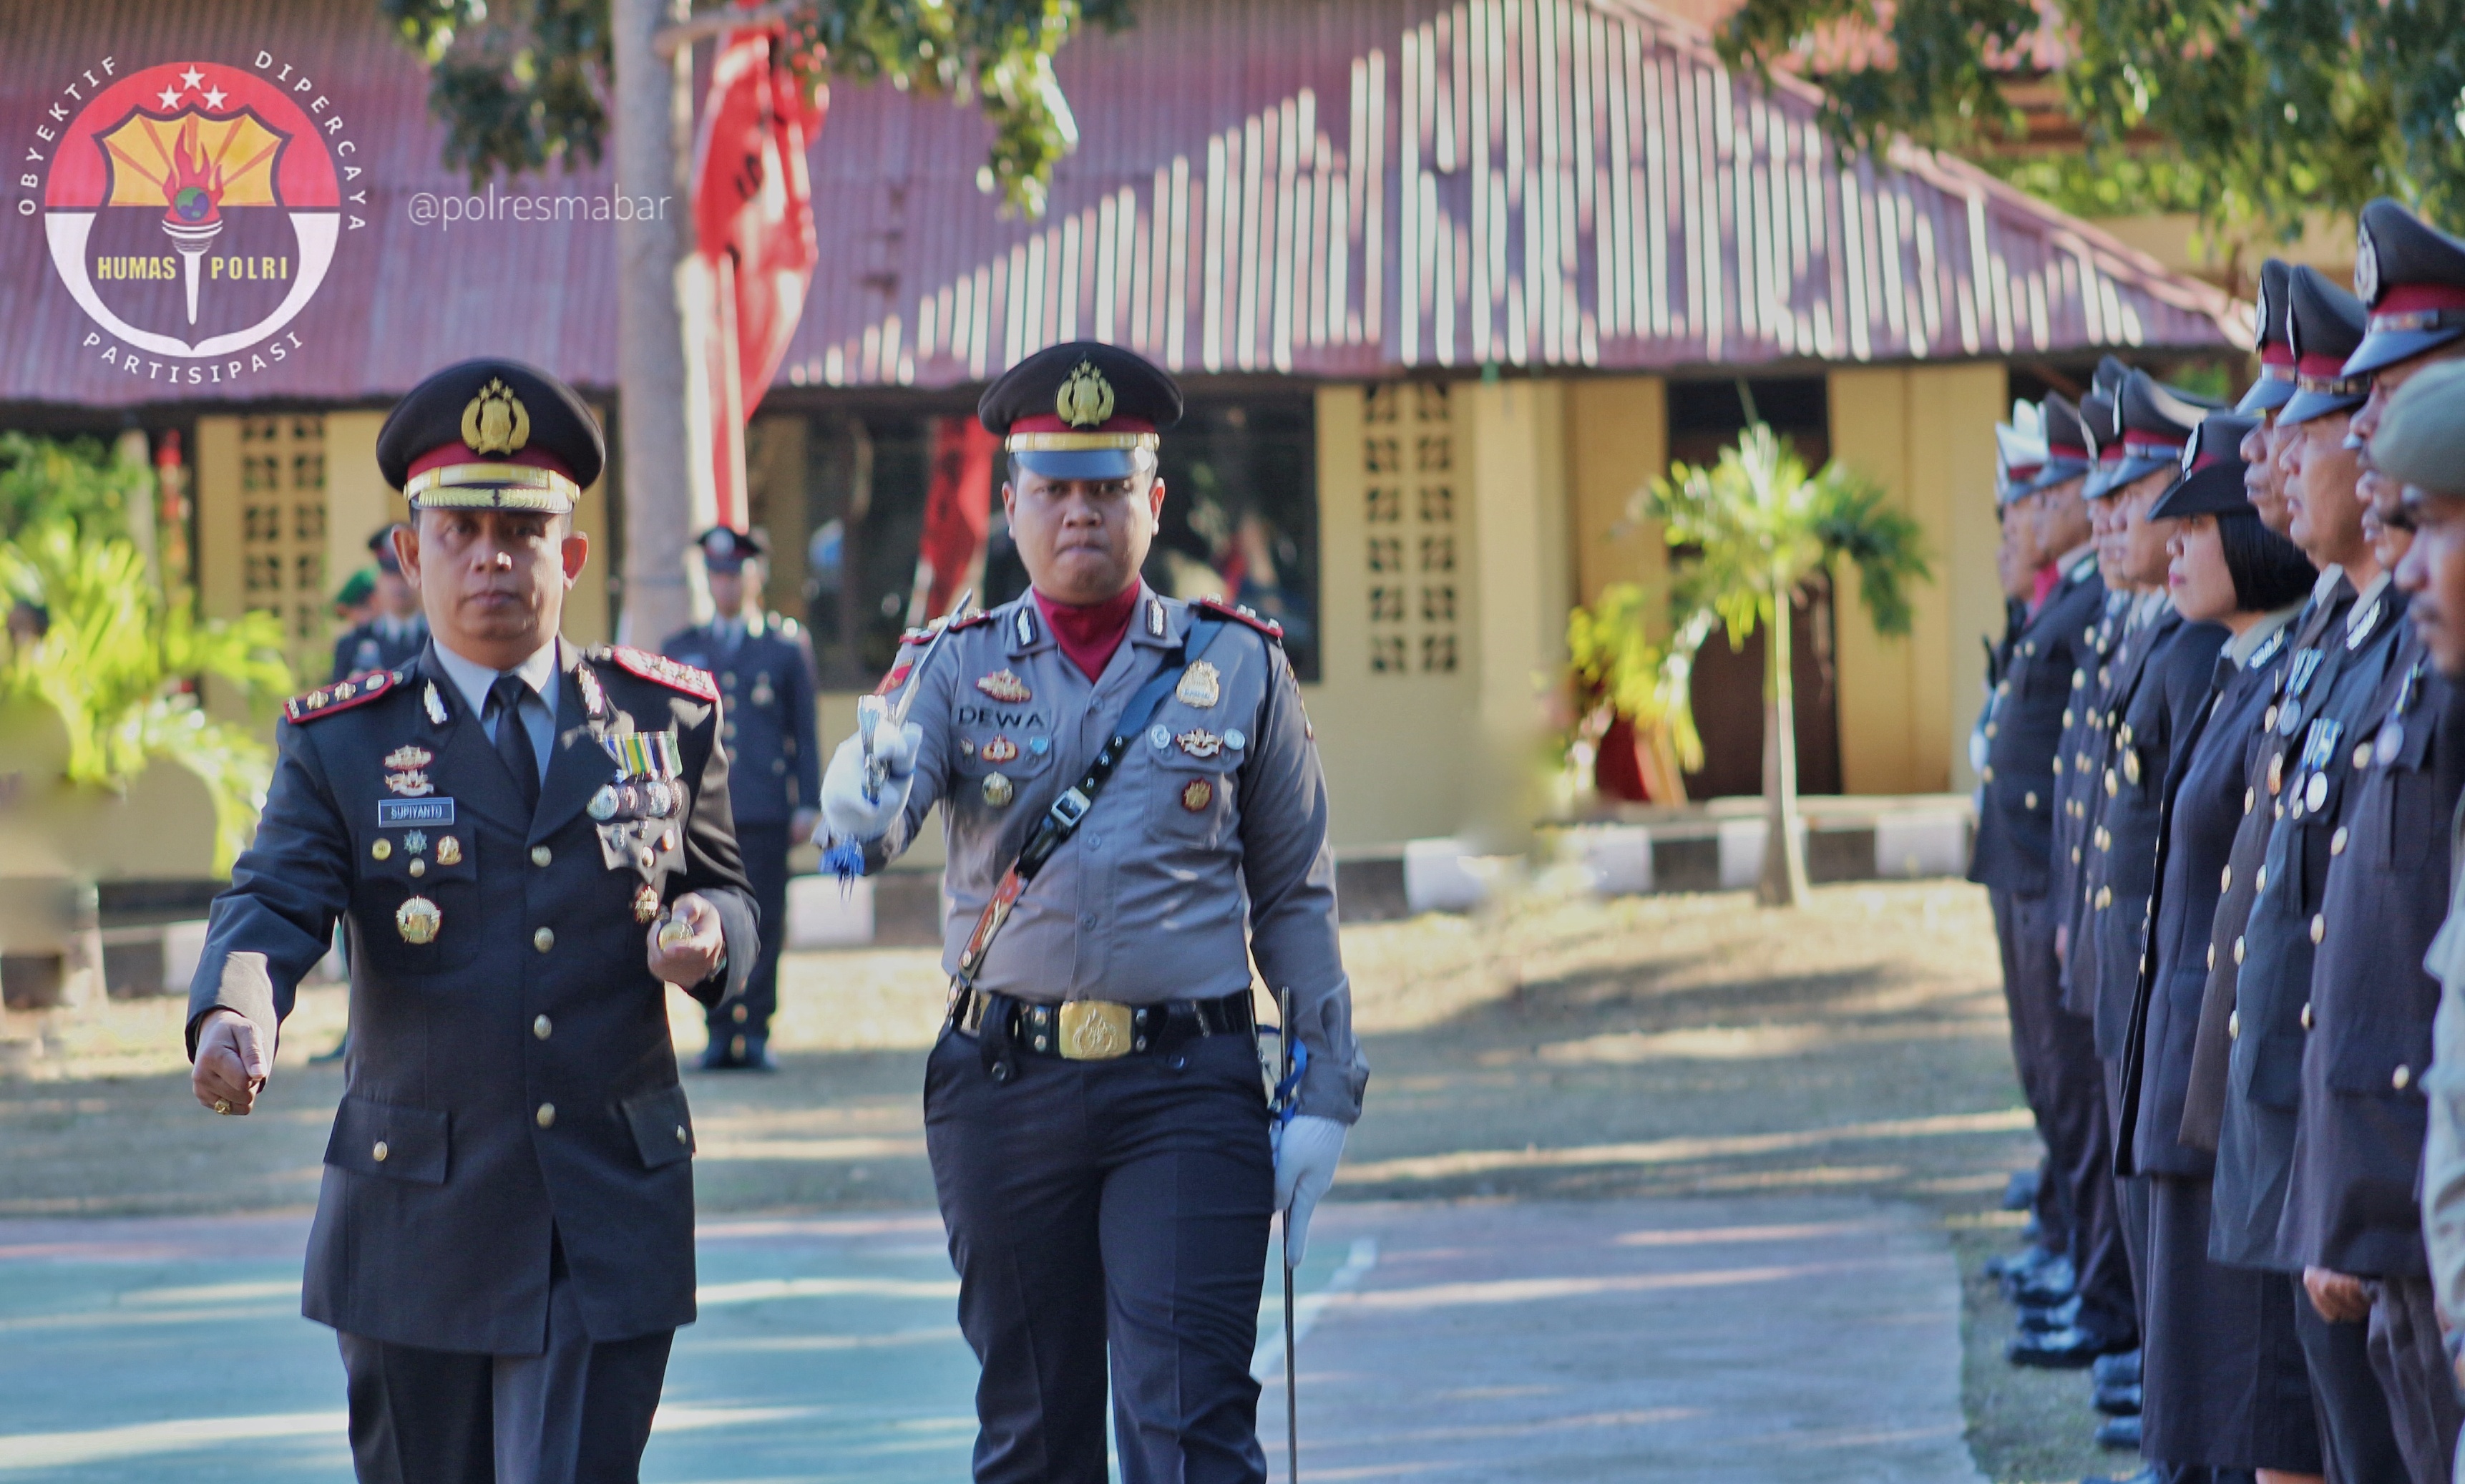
(222, 1105)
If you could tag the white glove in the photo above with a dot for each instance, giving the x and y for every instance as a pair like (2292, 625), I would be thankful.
(1307, 1150)
(849, 813)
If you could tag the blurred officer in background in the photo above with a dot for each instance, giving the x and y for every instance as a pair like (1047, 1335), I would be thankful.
(395, 630)
(766, 681)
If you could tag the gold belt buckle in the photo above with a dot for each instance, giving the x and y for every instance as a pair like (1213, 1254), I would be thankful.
(1094, 1030)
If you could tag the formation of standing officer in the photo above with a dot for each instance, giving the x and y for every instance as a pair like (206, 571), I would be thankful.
(2221, 763)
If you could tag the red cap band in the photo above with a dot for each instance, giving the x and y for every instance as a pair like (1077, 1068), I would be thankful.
(445, 454)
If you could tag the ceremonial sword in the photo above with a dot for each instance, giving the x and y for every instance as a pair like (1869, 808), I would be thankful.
(1292, 1390)
(872, 712)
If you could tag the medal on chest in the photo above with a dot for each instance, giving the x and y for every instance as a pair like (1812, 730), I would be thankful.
(637, 813)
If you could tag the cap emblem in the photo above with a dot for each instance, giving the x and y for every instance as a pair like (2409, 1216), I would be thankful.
(1085, 399)
(496, 421)
(2366, 267)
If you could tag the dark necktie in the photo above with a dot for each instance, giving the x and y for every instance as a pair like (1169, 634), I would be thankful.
(513, 739)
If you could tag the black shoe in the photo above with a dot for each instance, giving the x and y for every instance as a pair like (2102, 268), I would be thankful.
(2118, 1400)
(336, 1055)
(2046, 1287)
(2063, 1350)
(2123, 1432)
(2116, 1370)
(2045, 1321)
(2020, 1191)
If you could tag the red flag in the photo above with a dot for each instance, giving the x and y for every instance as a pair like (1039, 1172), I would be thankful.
(958, 516)
(755, 245)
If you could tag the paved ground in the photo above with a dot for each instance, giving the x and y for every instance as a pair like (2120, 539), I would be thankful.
(1687, 1057)
(1573, 1343)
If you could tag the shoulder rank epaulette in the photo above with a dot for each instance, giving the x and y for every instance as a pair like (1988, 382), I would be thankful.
(341, 695)
(1243, 613)
(976, 618)
(667, 672)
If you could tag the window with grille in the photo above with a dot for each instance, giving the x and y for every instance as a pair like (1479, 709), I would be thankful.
(282, 531)
(1407, 463)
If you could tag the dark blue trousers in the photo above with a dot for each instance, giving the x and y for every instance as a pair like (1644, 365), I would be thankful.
(1107, 1217)
(764, 849)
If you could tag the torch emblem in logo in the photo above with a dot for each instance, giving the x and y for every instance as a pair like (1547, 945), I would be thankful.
(219, 167)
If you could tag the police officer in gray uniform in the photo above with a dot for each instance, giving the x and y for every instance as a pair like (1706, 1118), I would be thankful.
(526, 843)
(765, 665)
(1133, 808)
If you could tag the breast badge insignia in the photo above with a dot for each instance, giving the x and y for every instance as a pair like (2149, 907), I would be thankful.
(417, 919)
(1003, 685)
(1196, 794)
(1201, 685)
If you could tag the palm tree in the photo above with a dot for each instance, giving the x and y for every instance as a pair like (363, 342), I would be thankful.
(1761, 532)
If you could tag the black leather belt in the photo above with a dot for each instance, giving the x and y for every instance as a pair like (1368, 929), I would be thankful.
(1099, 1030)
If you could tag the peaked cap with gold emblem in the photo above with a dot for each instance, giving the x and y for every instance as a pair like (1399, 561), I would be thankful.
(1081, 410)
(491, 434)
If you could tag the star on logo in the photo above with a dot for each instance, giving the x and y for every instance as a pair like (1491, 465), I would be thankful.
(192, 77)
(171, 98)
(214, 98)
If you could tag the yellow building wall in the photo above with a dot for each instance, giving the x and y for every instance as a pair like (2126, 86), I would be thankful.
(1617, 442)
(1926, 435)
(357, 500)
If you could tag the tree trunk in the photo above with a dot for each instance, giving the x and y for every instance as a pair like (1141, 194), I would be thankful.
(652, 99)
(1784, 881)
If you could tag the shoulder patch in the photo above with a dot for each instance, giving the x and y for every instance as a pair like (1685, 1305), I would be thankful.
(976, 618)
(1242, 613)
(667, 672)
(341, 695)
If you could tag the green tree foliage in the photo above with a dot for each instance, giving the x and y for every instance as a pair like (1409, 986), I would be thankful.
(2270, 113)
(114, 658)
(1754, 532)
(522, 83)
(71, 480)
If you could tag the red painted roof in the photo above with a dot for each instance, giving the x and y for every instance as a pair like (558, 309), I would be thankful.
(1336, 189)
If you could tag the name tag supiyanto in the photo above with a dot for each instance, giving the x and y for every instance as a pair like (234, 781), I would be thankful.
(399, 814)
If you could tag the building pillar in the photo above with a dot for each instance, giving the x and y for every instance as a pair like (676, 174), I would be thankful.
(1926, 435)
(1617, 443)
(1523, 569)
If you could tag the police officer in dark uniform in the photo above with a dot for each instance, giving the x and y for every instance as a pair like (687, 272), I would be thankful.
(1134, 809)
(2014, 859)
(765, 665)
(396, 631)
(2227, 1388)
(2359, 1141)
(526, 843)
(2300, 792)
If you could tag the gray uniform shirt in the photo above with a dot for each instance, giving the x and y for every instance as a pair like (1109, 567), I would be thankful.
(2443, 1086)
(1208, 845)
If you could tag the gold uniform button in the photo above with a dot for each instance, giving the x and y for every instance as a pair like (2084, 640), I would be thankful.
(2237, 949)
(2336, 842)
(2234, 1025)
(2306, 1014)
(2319, 926)
(2030, 799)
(543, 1027)
(2212, 955)
(2112, 783)
(2260, 882)
(2225, 879)
(683, 1138)
(418, 867)
(2402, 1078)
(1989, 772)
(382, 849)
(2104, 897)
(546, 1115)
(2249, 798)
(1990, 729)
(2075, 854)
(380, 1152)
(540, 855)
(543, 940)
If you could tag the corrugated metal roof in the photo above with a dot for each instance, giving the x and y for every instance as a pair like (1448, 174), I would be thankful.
(1321, 188)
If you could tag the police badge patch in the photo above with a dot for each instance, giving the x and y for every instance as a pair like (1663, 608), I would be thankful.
(1004, 685)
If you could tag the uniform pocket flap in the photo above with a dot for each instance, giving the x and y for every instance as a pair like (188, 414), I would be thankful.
(662, 1125)
(381, 1139)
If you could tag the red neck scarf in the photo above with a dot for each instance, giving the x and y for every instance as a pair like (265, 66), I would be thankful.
(1090, 634)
